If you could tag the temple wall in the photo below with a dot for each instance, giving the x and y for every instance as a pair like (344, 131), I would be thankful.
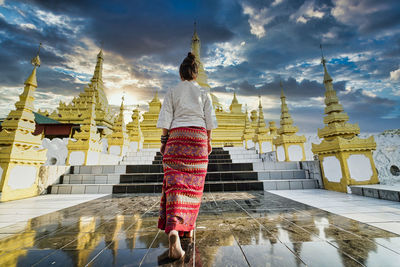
(57, 153)
(387, 154)
(49, 175)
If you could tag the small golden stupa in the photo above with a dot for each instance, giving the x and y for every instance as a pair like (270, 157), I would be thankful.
(262, 140)
(248, 133)
(151, 133)
(345, 158)
(289, 146)
(118, 140)
(134, 131)
(21, 152)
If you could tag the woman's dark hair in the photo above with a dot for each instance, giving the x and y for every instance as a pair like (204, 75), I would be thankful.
(188, 69)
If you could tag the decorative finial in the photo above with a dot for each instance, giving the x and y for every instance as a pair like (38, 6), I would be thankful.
(323, 61)
(195, 26)
(280, 83)
(101, 45)
(36, 60)
(327, 77)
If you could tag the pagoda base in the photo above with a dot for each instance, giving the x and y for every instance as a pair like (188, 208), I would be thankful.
(346, 162)
(342, 169)
(19, 181)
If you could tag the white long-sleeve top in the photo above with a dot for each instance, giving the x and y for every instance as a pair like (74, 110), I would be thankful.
(187, 104)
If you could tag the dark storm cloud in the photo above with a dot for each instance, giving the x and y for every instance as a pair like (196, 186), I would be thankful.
(137, 28)
(370, 16)
(293, 90)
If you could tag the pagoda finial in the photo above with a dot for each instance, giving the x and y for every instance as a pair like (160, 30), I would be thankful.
(36, 63)
(122, 103)
(195, 36)
(259, 102)
(98, 71)
(234, 100)
(327, 77)
(36, 60)
(286, 120)
(281, 85)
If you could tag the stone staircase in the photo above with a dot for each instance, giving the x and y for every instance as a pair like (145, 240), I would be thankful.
(229, 169)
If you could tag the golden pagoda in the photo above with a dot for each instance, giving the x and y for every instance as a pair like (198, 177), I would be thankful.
(151, 133)
(134, 131)
(77, 110)
(345, 158)
(248, 132)
(118, 140)
(21, 152)
(85, 146)
(230, 124)
(262, 140)
(289, 146)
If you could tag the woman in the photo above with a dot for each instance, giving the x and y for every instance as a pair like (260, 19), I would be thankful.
(186, 118)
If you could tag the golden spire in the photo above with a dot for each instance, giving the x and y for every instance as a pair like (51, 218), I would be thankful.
(121, 108)
(261, 122)
(327, 77)
(155, 104)
(234, 100)
(195, 37)
(235, 107)
(36, 63)
(260, 111)
(286, 120)
(98, 71)
(336, 119)
(155, 98)
(202, 78)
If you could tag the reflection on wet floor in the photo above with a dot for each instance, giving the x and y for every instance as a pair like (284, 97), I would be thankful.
(233, 229)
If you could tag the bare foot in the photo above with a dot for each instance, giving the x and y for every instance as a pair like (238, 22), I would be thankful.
(175, 249)
(188, 234)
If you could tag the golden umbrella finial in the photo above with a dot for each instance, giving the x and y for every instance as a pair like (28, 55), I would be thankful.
(36, 60)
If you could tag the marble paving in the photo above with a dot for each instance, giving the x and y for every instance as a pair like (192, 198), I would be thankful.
(23, 210)
(381, 213)
(233, 229)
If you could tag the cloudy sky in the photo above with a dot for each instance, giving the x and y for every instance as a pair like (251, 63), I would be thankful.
(247, 47)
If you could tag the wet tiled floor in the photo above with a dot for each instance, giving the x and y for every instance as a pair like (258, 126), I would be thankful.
(233, 229)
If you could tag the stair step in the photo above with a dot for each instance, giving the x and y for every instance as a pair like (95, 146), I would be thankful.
(291, 184)
(249, 185)
(212, 167)
(151, 177)
(150, 188)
